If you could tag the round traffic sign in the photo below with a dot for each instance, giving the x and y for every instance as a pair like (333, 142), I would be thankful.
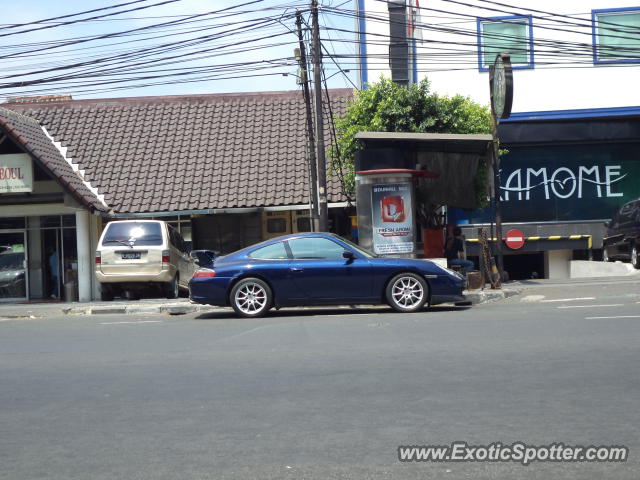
(514, 239)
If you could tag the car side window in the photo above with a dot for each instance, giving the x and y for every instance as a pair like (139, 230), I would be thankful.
(275, 251)
(316, 249)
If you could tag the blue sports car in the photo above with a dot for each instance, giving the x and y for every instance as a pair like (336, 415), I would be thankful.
(318, 269)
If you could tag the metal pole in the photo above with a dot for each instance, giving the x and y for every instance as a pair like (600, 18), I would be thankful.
(313, 172)
(496, 176)
(320, 158)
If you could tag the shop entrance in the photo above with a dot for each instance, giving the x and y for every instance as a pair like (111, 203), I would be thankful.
(13, 265)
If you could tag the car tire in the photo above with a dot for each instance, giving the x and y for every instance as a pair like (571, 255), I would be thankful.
(171, 288)
(407, 292)
(635, 261)
(605, 255)
(251, 297)
(106, 293)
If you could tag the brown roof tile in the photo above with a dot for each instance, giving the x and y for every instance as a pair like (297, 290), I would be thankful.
(28, 133)
(151, 154)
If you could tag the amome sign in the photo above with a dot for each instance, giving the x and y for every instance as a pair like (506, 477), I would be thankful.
(565, 183)
(16, 173)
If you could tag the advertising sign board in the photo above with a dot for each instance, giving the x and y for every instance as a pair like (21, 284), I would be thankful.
(565, 183)
(16, 173)
(392, 218)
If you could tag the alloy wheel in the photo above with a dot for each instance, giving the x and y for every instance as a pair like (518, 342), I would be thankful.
(251, 298)
(407, 292)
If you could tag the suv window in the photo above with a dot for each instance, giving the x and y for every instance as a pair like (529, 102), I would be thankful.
(133, 233)
(316, 249)
(275, 251)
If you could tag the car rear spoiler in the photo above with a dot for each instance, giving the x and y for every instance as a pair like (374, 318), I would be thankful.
(204, 258)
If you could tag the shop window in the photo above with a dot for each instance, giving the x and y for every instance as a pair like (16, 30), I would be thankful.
(50, 221)
(68, 220)
(616, 35)
(513, 35)
(10, 223)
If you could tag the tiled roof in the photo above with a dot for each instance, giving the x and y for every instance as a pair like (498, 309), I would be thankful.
(28, 133)
(176, 153)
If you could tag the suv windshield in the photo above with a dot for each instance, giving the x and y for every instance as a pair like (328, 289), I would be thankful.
(133, 233)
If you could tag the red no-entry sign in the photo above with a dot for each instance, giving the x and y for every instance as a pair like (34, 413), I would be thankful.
(514, 239)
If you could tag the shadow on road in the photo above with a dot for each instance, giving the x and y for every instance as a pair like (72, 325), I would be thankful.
(326, 311)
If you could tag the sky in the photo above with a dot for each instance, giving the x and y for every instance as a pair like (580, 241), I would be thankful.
(247, 45)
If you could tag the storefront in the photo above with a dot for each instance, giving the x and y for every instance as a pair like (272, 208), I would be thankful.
(48, 218)
(565, 174)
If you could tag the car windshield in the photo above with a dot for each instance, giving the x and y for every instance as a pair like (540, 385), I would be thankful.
(357, 248)
(133, 233)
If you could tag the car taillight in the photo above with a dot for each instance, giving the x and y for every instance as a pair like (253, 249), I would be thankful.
(204, 274)
(98, 257)
(165, 256)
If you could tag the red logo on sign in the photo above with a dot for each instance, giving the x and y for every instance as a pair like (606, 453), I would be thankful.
(514, 239)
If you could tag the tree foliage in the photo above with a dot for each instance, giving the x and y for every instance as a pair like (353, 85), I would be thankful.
(388, 107)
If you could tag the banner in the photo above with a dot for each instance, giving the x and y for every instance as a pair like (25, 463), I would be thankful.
(392, 218)
(564, 183)
(16, 173)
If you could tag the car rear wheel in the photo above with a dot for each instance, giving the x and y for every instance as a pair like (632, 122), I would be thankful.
(106, 292)
(407, 292)
(171, 288)
(634, 257)
(251, 297)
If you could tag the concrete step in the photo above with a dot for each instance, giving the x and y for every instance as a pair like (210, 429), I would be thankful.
(592, 269)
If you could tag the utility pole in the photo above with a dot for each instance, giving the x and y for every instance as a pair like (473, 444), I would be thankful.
(313, 172)
(317, 80)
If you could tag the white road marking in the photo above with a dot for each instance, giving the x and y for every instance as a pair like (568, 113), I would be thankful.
(125, 323)
(532, 298)
(592, 306)
(619, 316)
(568, 299)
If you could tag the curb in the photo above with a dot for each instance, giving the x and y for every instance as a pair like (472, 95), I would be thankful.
(131, 310)
(486, 296)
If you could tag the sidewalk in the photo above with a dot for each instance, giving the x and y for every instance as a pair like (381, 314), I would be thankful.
(179, 306)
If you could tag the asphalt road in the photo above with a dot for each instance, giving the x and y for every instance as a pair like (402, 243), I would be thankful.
(322, 394)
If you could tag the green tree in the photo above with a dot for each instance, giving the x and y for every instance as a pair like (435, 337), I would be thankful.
(388, 107)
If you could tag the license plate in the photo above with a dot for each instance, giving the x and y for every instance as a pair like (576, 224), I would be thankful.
(131, 256)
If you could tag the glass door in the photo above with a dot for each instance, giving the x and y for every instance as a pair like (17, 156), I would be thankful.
(13, 266)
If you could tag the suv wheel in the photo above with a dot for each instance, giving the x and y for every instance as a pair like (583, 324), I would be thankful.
(171, 288)
(634, 257)
(106, 292)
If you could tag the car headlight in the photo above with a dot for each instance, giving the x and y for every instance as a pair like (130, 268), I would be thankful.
(449, 271)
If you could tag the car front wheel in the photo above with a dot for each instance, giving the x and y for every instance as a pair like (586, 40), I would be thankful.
(407, 292)
(251, 297)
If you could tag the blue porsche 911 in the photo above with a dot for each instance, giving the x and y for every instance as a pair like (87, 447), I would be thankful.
(318, 269)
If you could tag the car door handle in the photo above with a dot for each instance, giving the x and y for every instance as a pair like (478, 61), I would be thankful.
(295, 269)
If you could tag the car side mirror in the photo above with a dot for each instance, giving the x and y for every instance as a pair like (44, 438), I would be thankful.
(348, 255)
(203, 258)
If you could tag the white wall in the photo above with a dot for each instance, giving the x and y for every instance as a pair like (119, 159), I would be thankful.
(453, 68)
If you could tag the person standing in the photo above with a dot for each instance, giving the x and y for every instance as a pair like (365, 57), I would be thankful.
(454, 251)
(54, 268)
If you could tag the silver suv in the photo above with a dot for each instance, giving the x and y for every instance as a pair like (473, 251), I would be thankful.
(135, 254)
